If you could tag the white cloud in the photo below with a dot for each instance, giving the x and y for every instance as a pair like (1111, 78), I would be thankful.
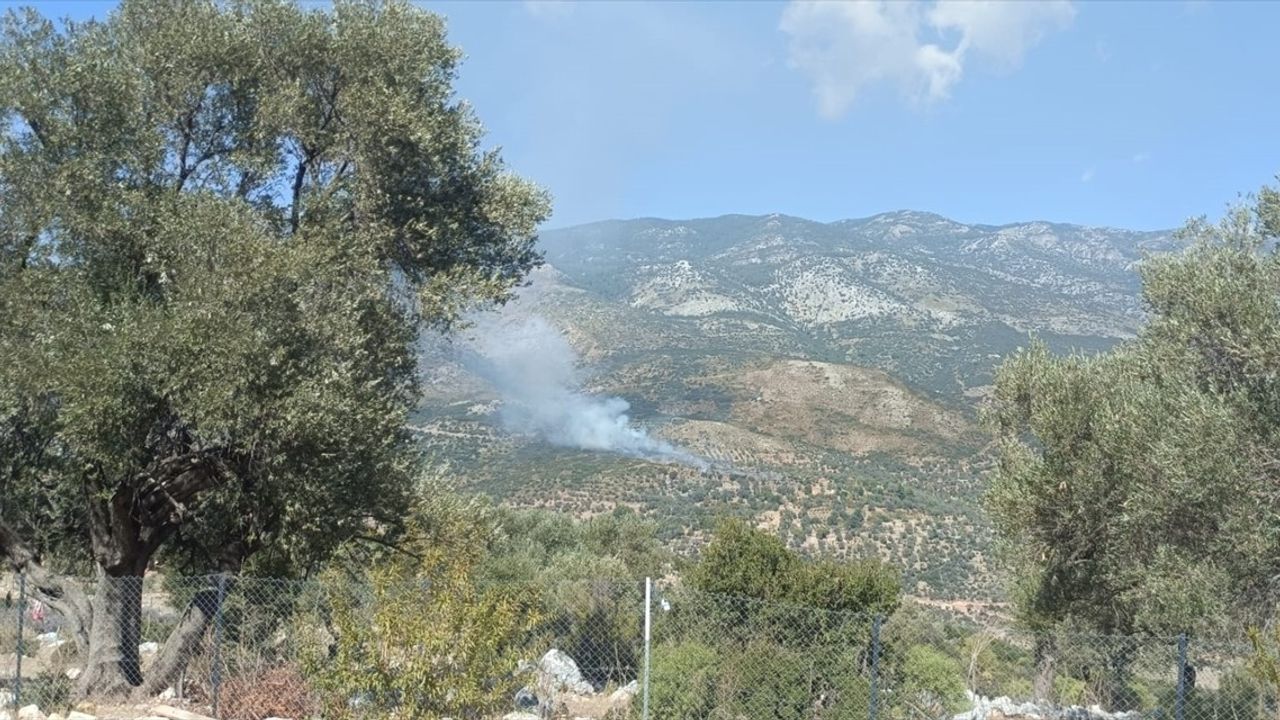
(845, 47)
(1141, 157)
(1087, 176)
(1002, 31)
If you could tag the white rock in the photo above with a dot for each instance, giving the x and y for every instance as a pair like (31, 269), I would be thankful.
(563, 673)
(983, 708)
(626, 692)
(168, 693)
(72, 673)
(77, 715)
(47, 639)
(30, 712)
(520, 716)
(4, 715)
(149, 648)
(55, 716)
(6, 699)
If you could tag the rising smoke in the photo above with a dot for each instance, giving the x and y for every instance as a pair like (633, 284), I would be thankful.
(536, 372)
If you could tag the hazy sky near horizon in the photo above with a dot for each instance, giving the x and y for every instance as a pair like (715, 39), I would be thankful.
(1134, 115)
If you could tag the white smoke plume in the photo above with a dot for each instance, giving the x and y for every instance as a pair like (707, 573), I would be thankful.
(536, 372)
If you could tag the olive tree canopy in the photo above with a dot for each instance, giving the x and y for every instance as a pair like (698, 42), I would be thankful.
(1139, 490)
(221, 227)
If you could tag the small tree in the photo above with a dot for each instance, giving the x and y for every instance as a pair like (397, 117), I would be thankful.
(221, 226)
(752, 564)
(427, 637)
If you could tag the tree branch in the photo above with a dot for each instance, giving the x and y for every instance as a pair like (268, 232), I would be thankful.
(183, 477)
(39, 133)
(387, 545)
(295, 209)
(188, 127)
(65, 596)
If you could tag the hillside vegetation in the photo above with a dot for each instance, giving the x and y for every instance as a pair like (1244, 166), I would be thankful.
(832, 371)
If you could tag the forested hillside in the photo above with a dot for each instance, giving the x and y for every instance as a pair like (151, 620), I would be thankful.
(831, 371)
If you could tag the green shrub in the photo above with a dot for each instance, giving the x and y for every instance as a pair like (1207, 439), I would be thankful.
(741, 560)
(683, 679)
(406, 653)
(768, 681)
(862, 586)
(998, 668)
(744, 562)
(425, 638)
(1070, 690)
(1238, 696)
(932, 684)
(48, 690)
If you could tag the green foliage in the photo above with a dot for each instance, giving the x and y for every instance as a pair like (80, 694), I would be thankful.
(766, 680)
(550, 548)
(745, 562)
(52, 689)
(1239, 695)
(683, 679)
(588, 576)
(427, 639)
(932, 684)
(760, 632)
(996, 667)
(758, 679)
(222, 225)
(859, 585)
(1129, 491)
(1264, 665)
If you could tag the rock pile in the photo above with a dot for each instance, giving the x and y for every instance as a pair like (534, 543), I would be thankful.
(1003, 708)
(559, 689)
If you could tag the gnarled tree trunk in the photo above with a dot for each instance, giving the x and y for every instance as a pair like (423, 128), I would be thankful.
(183, 642)
(114, 665)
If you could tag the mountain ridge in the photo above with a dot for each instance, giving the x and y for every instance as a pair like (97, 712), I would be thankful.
(901, 212)
(839, 364)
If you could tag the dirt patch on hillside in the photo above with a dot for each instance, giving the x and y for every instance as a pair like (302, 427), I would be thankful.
(843, 407)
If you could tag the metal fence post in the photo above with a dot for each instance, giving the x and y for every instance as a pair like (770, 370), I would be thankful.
(21, 649)
(215, 679)
(1180, 702)
(648, 642)
(873, 702)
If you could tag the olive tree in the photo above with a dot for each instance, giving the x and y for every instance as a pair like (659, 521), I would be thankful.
(222, 226)
(1137, 489)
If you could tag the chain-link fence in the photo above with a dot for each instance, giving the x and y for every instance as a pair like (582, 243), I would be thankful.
(251, 649)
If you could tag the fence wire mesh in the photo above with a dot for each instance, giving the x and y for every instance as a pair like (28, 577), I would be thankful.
(252, 649)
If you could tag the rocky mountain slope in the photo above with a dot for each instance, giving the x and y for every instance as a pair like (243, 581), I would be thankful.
(836, 367)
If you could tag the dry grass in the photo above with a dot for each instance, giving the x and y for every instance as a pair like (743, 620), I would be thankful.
(276, 692)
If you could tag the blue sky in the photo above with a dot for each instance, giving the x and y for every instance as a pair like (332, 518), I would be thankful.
(1133, 115)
